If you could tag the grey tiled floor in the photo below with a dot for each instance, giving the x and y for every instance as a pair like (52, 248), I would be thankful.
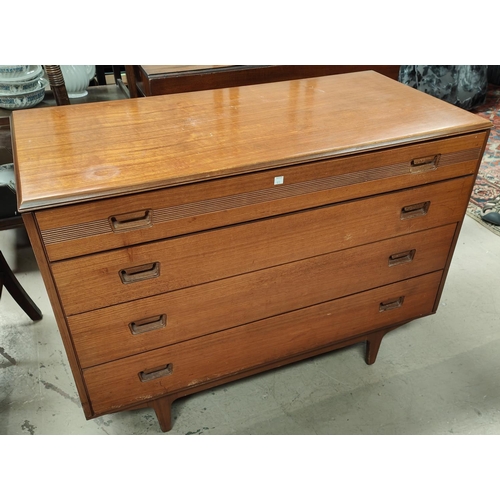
(437, 375)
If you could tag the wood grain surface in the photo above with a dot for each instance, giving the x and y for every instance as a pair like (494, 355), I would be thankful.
(93, 281)
(90, 151)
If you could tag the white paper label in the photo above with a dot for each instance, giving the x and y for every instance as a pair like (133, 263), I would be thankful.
(279, 180)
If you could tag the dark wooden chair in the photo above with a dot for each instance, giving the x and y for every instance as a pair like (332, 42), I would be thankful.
(57, 85)
(10, 219)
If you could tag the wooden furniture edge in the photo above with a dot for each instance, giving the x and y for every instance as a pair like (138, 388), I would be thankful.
(41, 203)
(33, 234)
(457, 231)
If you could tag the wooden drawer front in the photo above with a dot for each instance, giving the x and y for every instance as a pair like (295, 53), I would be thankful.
(88, 283)
(115, 332)
(118, 384)
(102, 225)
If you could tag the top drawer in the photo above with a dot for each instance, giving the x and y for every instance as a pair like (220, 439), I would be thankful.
(113, 223)
(95, 281)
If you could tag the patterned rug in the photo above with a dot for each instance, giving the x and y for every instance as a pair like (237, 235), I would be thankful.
(486, 191)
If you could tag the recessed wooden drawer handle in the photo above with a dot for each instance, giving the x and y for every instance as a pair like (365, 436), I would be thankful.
(401, 257)
(389, 305)
(130, 221)
(140, 273)
(154, 373)
(424, 164)
(148, 324)
(416, 210)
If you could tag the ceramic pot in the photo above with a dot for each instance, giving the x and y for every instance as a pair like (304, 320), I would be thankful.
(8, 72)
(77, 78)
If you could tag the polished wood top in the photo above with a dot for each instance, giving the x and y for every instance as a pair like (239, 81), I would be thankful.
(90, 151)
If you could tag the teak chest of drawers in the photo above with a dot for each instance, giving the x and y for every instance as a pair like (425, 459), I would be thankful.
(190, 240)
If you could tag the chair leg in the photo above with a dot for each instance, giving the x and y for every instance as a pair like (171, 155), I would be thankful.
(57, 84)
(18, 293)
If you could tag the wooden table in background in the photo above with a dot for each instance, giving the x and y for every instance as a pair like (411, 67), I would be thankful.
(147, 80)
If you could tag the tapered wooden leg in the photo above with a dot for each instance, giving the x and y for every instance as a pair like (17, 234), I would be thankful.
(372, 346)
(18, 293)
(163, 410)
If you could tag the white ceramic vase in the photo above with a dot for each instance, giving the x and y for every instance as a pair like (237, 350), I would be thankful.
(77, 78)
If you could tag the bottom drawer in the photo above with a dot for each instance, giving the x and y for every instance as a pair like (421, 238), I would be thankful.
(136, 379)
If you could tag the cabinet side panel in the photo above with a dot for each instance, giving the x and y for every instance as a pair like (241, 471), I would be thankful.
(34, 236)
(466, 197)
